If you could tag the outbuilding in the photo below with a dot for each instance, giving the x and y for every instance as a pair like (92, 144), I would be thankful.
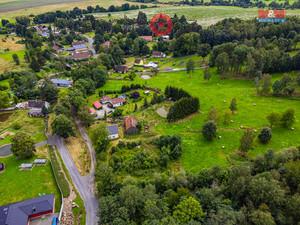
(130, 125)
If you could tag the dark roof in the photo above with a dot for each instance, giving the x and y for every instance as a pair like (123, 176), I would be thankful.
(157, 53)
(81, 55)
(121, 68)
(112, 130)
(19, 213)
(36, 104)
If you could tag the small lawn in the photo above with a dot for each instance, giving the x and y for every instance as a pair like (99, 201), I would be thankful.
(19, 121)
(18, 185)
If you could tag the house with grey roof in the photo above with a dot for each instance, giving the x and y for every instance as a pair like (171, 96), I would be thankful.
(21, 213)
(113, 132)
(62, 82)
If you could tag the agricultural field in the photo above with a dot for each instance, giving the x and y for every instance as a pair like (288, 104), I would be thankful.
(204, 15)
(252, 112)
(16, 185)
(13, 8)
(19, 121)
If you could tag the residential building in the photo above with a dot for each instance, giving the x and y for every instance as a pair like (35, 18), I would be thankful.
(113, 132)
(158, 54)
(21, 213)
(36, 107)
(62, 82)
(105, 99)
(97, 105)
(117, 102)
(151, 65)
(146, 38)
(130, 125)
(81, 55)
(121, 69)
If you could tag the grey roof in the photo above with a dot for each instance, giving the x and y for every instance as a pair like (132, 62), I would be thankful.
(113, 129)
(61, 82)
(19, 213)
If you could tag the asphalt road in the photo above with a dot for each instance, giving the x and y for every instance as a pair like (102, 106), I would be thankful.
(84, 184)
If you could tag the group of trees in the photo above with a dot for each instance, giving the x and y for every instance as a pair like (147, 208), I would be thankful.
(262, 191)
(285, 120)
(182, 108)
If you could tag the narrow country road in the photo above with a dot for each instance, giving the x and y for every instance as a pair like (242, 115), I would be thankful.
(84, 184)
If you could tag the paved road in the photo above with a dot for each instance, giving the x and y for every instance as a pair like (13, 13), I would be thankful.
(91, 45)
(84, 184)
(5, 150)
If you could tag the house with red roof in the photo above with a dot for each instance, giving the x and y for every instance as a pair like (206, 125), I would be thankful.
(105, 99)
(97, 105)
(146, 38)
(117, 102)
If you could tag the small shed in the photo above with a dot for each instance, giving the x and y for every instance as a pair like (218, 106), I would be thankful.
(40, 162)
(113, 132)
(26, 166)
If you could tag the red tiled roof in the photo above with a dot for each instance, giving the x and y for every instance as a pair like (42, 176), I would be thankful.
(105, 98)
(81, 55)
(130, 122)
(117, 100)
(147, 38)
(97, 105)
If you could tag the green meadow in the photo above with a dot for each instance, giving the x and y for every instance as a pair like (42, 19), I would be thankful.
(252, 112)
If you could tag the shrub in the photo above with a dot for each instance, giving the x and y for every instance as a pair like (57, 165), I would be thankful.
(209, 130)
(265, 135)
(246, 141)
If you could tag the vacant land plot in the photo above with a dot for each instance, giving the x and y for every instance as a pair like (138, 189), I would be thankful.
(19, 121)
(252, 112)
(18, 185)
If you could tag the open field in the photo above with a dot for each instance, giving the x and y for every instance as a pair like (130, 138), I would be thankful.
(204, 15)
(13, 8)
(252, 112)
(18, 185)
(19, 121)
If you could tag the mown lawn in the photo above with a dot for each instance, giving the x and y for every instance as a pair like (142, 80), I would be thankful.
(18, 185)
(19, 121)
(252, 112)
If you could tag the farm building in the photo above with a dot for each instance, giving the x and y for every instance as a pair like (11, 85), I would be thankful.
(40, 162)
(113, 132)
(117, 102)
(158, 54)
(21, 213)
(62, 83)
(151, 65)
(146, 38)
(130, 125)
(26, 166)
(121, 69)
(97, 105)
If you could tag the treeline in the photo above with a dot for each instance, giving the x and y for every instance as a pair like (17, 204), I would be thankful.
(261, 191)
(50, 17)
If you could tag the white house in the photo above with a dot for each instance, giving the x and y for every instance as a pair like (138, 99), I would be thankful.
(151, 65)
(117, 102)
(113, 132)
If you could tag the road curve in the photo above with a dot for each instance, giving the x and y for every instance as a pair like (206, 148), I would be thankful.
(84, 184)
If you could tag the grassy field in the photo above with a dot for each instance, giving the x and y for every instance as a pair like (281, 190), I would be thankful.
(252, 112)
(19, 121)
(18, 185)
(204, 15)
(13, 8)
